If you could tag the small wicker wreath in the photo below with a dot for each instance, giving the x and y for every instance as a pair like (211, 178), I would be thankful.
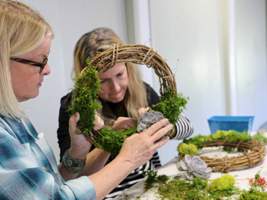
(138, 54)
(226, 164)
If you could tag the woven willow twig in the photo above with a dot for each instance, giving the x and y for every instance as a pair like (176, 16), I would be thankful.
(256, 155)
(138, 54)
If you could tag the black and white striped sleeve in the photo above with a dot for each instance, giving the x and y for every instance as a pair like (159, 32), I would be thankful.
(184, 128)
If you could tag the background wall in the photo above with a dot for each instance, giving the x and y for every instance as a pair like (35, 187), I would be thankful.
(217, 49)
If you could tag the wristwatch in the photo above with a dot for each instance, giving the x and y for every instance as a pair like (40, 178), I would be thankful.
(68, 163)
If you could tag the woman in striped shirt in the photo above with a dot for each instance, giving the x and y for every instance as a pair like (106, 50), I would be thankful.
(122, 94)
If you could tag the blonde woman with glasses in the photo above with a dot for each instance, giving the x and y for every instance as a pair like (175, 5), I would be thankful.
(28, 168)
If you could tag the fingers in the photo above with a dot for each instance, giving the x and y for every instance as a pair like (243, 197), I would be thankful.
(73, 123)
(155, 127)
(124, 123)
(142, 110)
(99, 123)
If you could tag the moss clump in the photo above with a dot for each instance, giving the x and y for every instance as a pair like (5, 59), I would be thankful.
(181, 189)
(189, 149)
(85, 92)
(171, 105)
(225, 182)
(231, 136)
(153, 178)
(252, 194)
(112, 140)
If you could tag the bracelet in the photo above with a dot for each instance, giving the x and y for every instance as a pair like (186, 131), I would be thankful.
(68, 163)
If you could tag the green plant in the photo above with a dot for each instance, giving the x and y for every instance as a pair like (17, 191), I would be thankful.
(85, 92)
(171, 105)
(225, 182)
(189, 149)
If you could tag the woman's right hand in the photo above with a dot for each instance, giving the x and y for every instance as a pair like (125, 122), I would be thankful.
(80, 146)
(139, 148)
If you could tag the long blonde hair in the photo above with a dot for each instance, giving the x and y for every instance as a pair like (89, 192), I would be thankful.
(99, 40)
(21, 30)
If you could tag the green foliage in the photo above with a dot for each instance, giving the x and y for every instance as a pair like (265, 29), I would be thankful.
(181, 189)
(225, 182)
(171, 105)
(86, 86)
(112, 140)
(231, 136)
(189, 149)
(153, 178)
(252, 194)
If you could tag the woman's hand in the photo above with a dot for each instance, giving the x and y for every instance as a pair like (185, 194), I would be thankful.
(139, 148)
(124, 123)
(80, 146)
(99, 123)
(142, 110)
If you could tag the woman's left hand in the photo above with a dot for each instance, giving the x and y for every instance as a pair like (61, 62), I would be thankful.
(124, 123)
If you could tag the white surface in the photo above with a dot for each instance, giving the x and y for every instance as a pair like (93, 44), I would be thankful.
(170, 169)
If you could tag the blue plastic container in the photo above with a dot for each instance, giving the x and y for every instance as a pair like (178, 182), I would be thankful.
(237, 123)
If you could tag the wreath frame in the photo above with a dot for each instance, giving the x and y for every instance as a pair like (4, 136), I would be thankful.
(226, 164)
(137, 54)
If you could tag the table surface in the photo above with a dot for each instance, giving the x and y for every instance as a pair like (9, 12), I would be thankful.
(171, 170)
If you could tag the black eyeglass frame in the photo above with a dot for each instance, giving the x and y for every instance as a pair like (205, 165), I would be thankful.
(33, 63)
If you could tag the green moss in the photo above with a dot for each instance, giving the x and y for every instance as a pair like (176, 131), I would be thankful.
(112, 140)
(189, 149)
(225, 182)
(181, 189)
(85, 92)
(153, 178)
(231, 136)
(252, 194)
(171, 105)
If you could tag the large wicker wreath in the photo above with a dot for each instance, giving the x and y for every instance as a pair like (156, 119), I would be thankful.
(137, 54)
(256, 153)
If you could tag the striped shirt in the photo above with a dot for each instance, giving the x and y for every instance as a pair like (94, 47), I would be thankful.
(28, 168)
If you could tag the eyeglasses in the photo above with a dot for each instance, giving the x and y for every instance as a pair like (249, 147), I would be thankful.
(30, 62)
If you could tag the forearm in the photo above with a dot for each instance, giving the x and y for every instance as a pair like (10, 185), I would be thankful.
(95, 161)
(110, 176)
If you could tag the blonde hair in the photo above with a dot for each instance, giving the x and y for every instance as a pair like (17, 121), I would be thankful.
(21, 30)
(99, 40)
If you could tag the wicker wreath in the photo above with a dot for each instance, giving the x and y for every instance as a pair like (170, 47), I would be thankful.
(138, 54)
(226, 164)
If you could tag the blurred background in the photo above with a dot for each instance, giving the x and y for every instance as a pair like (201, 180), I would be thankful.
(217, 50)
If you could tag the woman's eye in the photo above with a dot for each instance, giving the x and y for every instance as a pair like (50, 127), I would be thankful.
(103, 81)
(120, 74)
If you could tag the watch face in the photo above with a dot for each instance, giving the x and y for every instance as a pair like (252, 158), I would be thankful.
(69, 162)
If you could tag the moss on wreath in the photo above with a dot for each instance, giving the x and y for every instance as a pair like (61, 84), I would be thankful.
(86, 87)
(231, 136)
(85, 92)
(171, 105)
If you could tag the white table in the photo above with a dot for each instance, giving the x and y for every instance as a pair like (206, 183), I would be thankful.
(170, 169)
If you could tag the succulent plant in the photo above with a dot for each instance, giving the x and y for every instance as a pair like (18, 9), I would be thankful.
(193, 167)
(148, 119)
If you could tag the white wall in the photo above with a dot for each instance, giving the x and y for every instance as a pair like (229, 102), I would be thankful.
(198, 33)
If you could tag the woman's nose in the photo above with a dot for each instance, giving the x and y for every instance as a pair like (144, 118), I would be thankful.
(46, 70)
(115, 86)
